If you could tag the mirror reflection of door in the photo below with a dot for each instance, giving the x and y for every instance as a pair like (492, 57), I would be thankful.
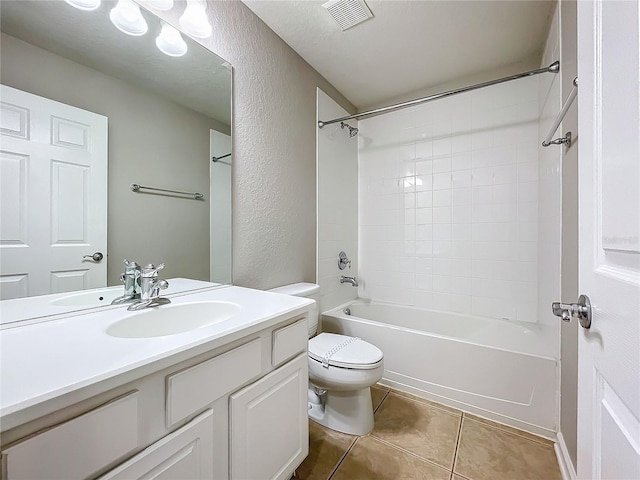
(53, 171)
(160, 109)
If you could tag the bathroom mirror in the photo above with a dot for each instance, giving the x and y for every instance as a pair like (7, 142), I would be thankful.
(165, 117)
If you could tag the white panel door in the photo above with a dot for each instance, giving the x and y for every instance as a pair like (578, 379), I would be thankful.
(609, 180)
(53, 199)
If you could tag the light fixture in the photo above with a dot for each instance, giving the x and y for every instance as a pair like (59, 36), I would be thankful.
(162, 5)
(170, 42)
(86, 5)
(194, 20)
(127, 18)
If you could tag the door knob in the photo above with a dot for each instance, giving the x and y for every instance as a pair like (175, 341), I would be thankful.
(582, 310)
(96, 257)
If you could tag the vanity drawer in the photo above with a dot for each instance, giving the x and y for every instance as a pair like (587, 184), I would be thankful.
(289, 341)
(77, 448)
(196, 387)
(186, 453)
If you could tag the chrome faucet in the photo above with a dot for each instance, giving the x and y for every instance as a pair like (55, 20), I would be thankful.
(150, 286)
(131, 281)
(352, 280)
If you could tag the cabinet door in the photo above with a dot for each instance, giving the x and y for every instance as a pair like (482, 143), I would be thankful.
(187, 453)
(269, 429)
(79, 447)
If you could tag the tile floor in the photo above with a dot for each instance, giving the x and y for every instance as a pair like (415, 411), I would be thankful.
(414, 438)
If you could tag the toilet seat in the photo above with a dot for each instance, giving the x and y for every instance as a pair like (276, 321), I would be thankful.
(343, 351)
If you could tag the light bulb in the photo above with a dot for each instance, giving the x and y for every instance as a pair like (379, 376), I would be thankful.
(170, 42)
(86, 5)
(162, 5)
(127, 18)
(194, 20)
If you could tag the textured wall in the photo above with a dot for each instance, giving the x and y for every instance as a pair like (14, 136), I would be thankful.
(274, 133)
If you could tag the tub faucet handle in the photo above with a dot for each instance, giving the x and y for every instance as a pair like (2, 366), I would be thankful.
(343, 261)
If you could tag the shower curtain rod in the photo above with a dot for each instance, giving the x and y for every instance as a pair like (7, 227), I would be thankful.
(553, 68)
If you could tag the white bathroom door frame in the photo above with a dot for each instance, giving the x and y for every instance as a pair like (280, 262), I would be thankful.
(53, 161)
(609, 239)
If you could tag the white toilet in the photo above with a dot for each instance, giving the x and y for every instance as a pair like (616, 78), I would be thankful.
(341, 370)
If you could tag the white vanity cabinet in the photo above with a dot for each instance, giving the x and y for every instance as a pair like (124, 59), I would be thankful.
(184, 454)
(238, 411)
(269, 435)
(76, 448)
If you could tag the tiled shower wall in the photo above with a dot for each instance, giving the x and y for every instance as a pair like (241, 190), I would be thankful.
(337, 170)
(448, 203)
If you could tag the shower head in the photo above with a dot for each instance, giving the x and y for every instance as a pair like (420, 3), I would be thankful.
(352, 130)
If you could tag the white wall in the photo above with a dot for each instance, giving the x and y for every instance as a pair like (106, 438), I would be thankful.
(337, 172)
(550, 194)
(448, 203)
(220, 221)
(569, 331)
(550, 188)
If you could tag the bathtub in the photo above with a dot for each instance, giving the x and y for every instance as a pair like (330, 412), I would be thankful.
(499, 369)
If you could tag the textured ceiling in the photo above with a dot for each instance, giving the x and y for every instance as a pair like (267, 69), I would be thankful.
(409, 45)
(198, 80)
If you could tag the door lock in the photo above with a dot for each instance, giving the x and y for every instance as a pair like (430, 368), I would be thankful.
(567, 311)
(96, 257)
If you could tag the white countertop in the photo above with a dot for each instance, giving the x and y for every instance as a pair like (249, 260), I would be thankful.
(43, 306)
(44, 361)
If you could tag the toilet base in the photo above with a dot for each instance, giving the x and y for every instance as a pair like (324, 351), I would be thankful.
(349, 412)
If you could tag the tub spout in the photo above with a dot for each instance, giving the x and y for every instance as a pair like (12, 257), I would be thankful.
(352, 280)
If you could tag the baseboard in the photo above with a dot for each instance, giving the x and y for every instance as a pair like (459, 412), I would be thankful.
(564, 460)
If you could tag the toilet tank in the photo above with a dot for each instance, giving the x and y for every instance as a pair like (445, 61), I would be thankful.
(307, 290)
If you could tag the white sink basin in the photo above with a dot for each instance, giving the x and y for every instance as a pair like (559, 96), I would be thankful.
(93, 298)
(172, 319)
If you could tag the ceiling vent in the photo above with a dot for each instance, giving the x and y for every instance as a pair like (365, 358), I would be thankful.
(348, 13)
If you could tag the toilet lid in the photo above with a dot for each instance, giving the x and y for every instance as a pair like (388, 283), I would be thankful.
(343, 351)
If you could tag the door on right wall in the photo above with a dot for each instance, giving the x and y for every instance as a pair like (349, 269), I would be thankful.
(609, 242)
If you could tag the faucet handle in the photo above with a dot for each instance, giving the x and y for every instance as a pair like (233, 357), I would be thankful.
(131, 268)
(343, 261)
(159, 285)
(151, 270)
